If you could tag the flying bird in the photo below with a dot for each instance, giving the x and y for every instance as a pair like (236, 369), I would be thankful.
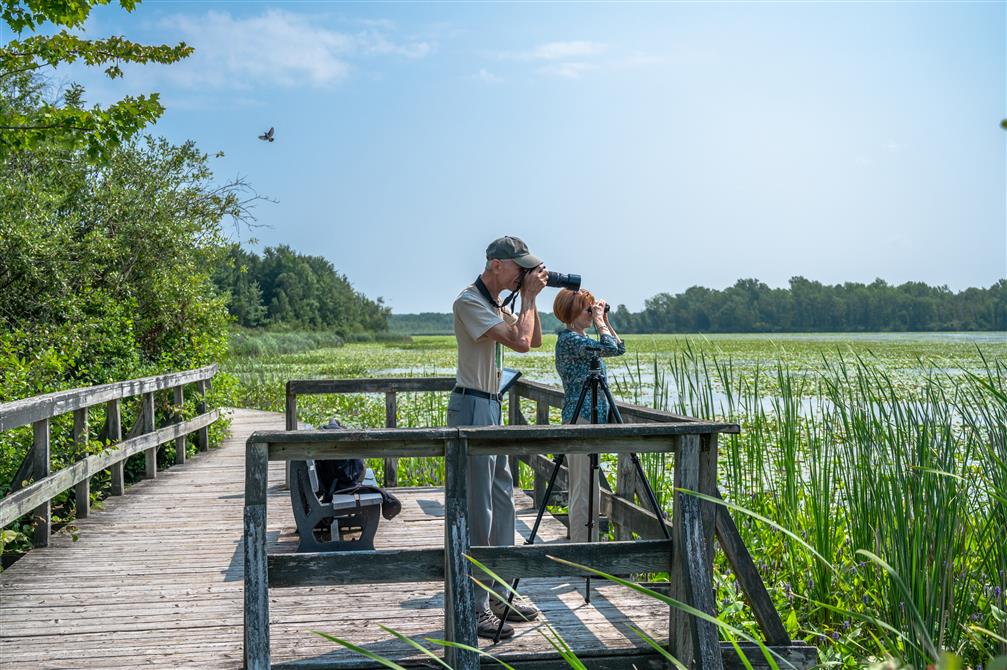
(267, 136)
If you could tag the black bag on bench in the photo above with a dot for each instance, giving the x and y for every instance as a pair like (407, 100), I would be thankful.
(338, 475)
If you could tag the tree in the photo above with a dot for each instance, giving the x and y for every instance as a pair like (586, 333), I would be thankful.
(68, 125)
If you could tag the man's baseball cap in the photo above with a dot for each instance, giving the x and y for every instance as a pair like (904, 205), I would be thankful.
(513, 249)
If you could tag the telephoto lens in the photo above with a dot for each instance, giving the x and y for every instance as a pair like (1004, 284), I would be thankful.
(560, 280)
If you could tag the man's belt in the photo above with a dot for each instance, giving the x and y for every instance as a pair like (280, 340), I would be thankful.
(461, 390)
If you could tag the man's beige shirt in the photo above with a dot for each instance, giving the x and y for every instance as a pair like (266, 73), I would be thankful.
(477, 364)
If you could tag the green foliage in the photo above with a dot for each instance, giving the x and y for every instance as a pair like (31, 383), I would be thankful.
(285, 288)
(809, 306)
(104, 278)
(750, 306)
(891, 444)
(68, 126)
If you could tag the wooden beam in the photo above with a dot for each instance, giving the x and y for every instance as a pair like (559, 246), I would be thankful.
(82, 489)
(113, 428)
(178, 400)
(383, 385)
(384, 566)
(256, 638)
(149, 455)
(30, 410)
(42, 515)
(391, 477)
(459, 610)
(693, 641)
(202, 435)
(752, 586)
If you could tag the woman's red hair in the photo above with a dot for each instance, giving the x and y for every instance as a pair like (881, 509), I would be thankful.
(569, 304)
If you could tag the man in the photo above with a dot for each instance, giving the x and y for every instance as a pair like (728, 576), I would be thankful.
(482, 328)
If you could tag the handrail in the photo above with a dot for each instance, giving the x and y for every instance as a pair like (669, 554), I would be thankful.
(146, 437)
(687, 557)
(29, 410)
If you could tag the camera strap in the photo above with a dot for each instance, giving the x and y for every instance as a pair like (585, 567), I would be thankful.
(489, 298)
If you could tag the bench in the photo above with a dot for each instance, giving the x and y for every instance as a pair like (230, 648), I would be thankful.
(347, 513)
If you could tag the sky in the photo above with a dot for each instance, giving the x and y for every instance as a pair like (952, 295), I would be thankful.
(649, 147)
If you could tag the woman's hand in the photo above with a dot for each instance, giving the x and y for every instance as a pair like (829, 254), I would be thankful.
(599, 316)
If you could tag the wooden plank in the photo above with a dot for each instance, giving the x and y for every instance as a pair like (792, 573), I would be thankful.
(178, 400)
(82, 489)
(693, 641)
(377, 385)
(391, 477)
(39, 493)
(555, 397)
(752, 586)
(519, 561)
(403, 448)
(459, 599)
(30, 410)
(113, 428)
(256, 610)
(42, 515)
(149, 455)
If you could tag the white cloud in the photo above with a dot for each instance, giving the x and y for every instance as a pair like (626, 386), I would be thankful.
(556, 51)
(567, 70)
(486, 76)
(562, 50)
(275, 48)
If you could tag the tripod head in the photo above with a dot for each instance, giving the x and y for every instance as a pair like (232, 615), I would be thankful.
(595, 364)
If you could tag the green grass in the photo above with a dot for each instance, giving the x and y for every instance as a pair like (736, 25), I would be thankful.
(886, 455)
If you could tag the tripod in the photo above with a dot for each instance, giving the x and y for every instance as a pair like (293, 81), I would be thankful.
(595, 380)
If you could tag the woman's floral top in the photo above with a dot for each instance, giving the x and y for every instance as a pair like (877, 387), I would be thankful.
(572, 362)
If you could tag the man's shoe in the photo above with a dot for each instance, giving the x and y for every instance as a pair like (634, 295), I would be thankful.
(519, 610)
(487, 624)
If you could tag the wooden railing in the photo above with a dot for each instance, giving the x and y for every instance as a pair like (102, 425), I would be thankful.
(687, 557)
(39, 412)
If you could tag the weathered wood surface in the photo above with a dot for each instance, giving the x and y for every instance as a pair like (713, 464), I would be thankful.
(22, 412)
(157, 576)
(398, 384)
(39, 493)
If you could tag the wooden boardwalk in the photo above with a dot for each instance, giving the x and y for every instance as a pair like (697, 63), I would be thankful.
(155, 580)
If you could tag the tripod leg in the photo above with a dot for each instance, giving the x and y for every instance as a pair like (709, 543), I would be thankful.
(557, 463)
(592, 477)
(655, 507)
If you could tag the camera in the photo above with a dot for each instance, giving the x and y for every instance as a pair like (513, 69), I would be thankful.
(560, 280)
(556, 280)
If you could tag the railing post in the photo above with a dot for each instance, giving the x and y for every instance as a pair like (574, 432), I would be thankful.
(513, 414)
(256, 648)
(290, 423)
(693, 641)
(541, 419)
(391, 464)
(113, 422)
(625, 487)
(459, 600)
(203, 434)
(178, 400)
(42, 515)
(149, 455)
(82, 491)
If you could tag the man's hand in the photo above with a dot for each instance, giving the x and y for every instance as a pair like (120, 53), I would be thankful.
(534, 282)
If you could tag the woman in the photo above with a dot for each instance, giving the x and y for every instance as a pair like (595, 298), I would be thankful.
(578, 310)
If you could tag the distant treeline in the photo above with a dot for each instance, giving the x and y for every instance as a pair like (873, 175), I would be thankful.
(751, 306)
(285, 288)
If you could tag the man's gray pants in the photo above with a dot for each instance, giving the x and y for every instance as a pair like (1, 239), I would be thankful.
(490, 486)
